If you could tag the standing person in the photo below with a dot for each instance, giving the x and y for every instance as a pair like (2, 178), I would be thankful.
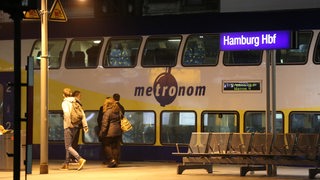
(116, 97)
(110, 132)
(70, 129)
(99, 122)
(77, 95)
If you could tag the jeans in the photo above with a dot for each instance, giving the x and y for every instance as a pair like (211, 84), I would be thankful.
(69, 136)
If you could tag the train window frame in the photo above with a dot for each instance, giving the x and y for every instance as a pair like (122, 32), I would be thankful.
(302, 52)
(221, 113)
(37, 54)
(316, 53)
(93, 127)
(161, 47)
(135, 132)
(74, 53)
(58, 123)
(310, 125)
(263, 122)
(197, 38)
(186, 136)
(257, 63)
(124, 41)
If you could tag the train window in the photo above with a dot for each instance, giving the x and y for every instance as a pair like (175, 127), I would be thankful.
(91, 136)
(55, 49)
(201, 50)
(143, 131)
(161, 51)
(55, 123)
(176, 127)
(296, 56)
(220, 121)
(246, 58)
(316, 56)
(122, 52)
(83, 53)
(304, 122)
(255, 121)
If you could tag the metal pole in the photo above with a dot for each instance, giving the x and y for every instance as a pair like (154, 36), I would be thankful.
(267, 91)
(43, 90)
(17, 17)
(274, 104)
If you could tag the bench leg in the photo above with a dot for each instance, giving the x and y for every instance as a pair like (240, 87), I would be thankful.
(245, 169)
(271, 170)
(182, 167)
(313, 173)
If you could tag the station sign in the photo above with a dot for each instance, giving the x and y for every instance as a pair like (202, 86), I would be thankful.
(262, 40)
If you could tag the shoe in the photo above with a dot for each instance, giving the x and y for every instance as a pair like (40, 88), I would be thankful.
(112, 164)
(81, 163)
(65, 166)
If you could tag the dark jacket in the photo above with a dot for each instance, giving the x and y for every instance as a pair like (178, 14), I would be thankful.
(110, 126)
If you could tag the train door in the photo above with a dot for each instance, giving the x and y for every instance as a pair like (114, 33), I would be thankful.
(6, 99)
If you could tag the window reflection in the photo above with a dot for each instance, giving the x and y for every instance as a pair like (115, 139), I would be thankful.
(143, 131)
(220, 122)
(176, 127)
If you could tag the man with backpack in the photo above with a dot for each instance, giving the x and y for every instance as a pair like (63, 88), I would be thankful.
(71, 128)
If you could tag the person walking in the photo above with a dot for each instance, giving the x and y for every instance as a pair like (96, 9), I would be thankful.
(110, 132)
(70, 129)
(75, 143)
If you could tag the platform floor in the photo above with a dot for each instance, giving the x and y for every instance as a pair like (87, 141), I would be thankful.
(94, 170)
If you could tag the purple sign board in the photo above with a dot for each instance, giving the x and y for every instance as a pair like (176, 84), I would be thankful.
(255, 40)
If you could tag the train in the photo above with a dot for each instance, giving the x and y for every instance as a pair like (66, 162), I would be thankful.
(171, 84)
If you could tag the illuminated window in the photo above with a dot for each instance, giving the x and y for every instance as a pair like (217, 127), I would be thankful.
(220, 121)
(245, 58)
(55, 50)
(143, 131)
(255, 121)
(161, 51)
(296, 56)
(55, 125)
(304, 122)
(83, 53)
(122, 52)
(201, 50)
(92, 135)
(176, 127)
(316, 56)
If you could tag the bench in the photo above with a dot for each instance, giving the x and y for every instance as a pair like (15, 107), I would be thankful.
(257, 151)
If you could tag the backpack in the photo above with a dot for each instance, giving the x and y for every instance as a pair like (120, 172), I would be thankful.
(76, 114)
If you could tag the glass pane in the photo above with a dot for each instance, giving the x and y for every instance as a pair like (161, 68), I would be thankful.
(256, 122)
(83, 53)
(122, 53)
(220, 122)
(304, 122)
(161, 51)
(233, 58)
(296, 56)
(201, 50)
(55, 50)
(55, 126)
(143, 131)
(91, 136)
(316, 57)
(176, 127)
